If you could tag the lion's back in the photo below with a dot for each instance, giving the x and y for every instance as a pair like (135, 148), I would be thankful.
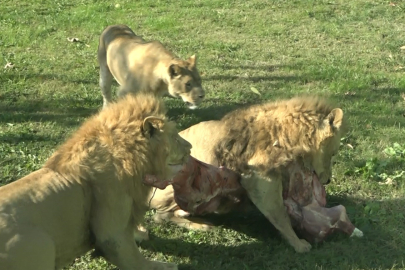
(270, 134)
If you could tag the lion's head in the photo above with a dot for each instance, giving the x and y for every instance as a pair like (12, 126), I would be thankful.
(185, 82)
(177, 149)
(129, 139)
(271, 135)
(328, 135)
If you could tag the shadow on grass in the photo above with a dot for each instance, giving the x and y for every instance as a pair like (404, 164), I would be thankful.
(28, 136)
(45, 77)
(22, 108)
(267, 67)
(252, 78)
(70, 112)
(186, 117)
(381, 247)
(65, 112)
(380, 107)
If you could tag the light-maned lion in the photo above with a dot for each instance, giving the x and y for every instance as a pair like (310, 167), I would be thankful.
(89, 194)
(138, 65)
(259, 142)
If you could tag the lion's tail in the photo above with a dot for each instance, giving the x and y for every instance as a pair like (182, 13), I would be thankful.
(102, 48)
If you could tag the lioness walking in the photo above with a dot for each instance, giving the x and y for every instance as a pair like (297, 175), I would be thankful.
(138, 65)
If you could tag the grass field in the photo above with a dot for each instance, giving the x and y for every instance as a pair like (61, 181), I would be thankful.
(349, 51)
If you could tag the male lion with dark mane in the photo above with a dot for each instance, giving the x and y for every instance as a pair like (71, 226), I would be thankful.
(260, 142)
(148, 66)
(90, 194)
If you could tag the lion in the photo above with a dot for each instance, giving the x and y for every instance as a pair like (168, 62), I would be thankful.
(89, 194)
(138, 65)
(259, 142)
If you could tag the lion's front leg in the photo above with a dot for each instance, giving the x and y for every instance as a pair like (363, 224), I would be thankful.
(113, 227)
(266, 194)
(121, 250)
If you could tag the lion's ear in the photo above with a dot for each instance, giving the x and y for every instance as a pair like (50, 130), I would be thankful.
(192, 60)
(174, 70)
(151, 124)
(335, 119)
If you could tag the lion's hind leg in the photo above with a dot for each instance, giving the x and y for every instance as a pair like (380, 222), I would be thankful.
(26, 248)
(105, 84)
(266, 194)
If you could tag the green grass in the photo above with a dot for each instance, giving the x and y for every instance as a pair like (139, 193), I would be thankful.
(346, 50)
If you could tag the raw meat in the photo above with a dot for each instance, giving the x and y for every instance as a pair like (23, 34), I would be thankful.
(201, 188)
(305, 199)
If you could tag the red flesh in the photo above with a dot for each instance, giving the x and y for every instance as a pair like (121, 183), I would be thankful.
(201, 188)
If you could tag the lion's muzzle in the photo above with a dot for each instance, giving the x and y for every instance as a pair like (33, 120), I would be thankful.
(193, 98)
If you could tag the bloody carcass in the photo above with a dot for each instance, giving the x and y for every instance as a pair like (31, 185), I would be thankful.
(305, 199)
(201, 188)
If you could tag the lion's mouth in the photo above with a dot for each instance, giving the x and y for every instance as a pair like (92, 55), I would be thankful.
(317, 177)
(191, 106)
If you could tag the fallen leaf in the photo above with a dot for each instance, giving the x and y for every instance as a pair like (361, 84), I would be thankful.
(9, 65)
(392, 4)
(350, 146)
(254, 90)
(403, 96)
(350, 93)
(402, 48)
(387, 182)
(73, 39)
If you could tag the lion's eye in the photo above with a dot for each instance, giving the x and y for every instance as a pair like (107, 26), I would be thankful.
(188, 84)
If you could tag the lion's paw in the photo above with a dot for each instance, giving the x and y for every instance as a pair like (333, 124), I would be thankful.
(181, 213)
(357, 233)
(303, 246)
(141, 234)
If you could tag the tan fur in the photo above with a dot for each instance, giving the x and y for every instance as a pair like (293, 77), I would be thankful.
(138, 65)
(259, 142)
(89, 194)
